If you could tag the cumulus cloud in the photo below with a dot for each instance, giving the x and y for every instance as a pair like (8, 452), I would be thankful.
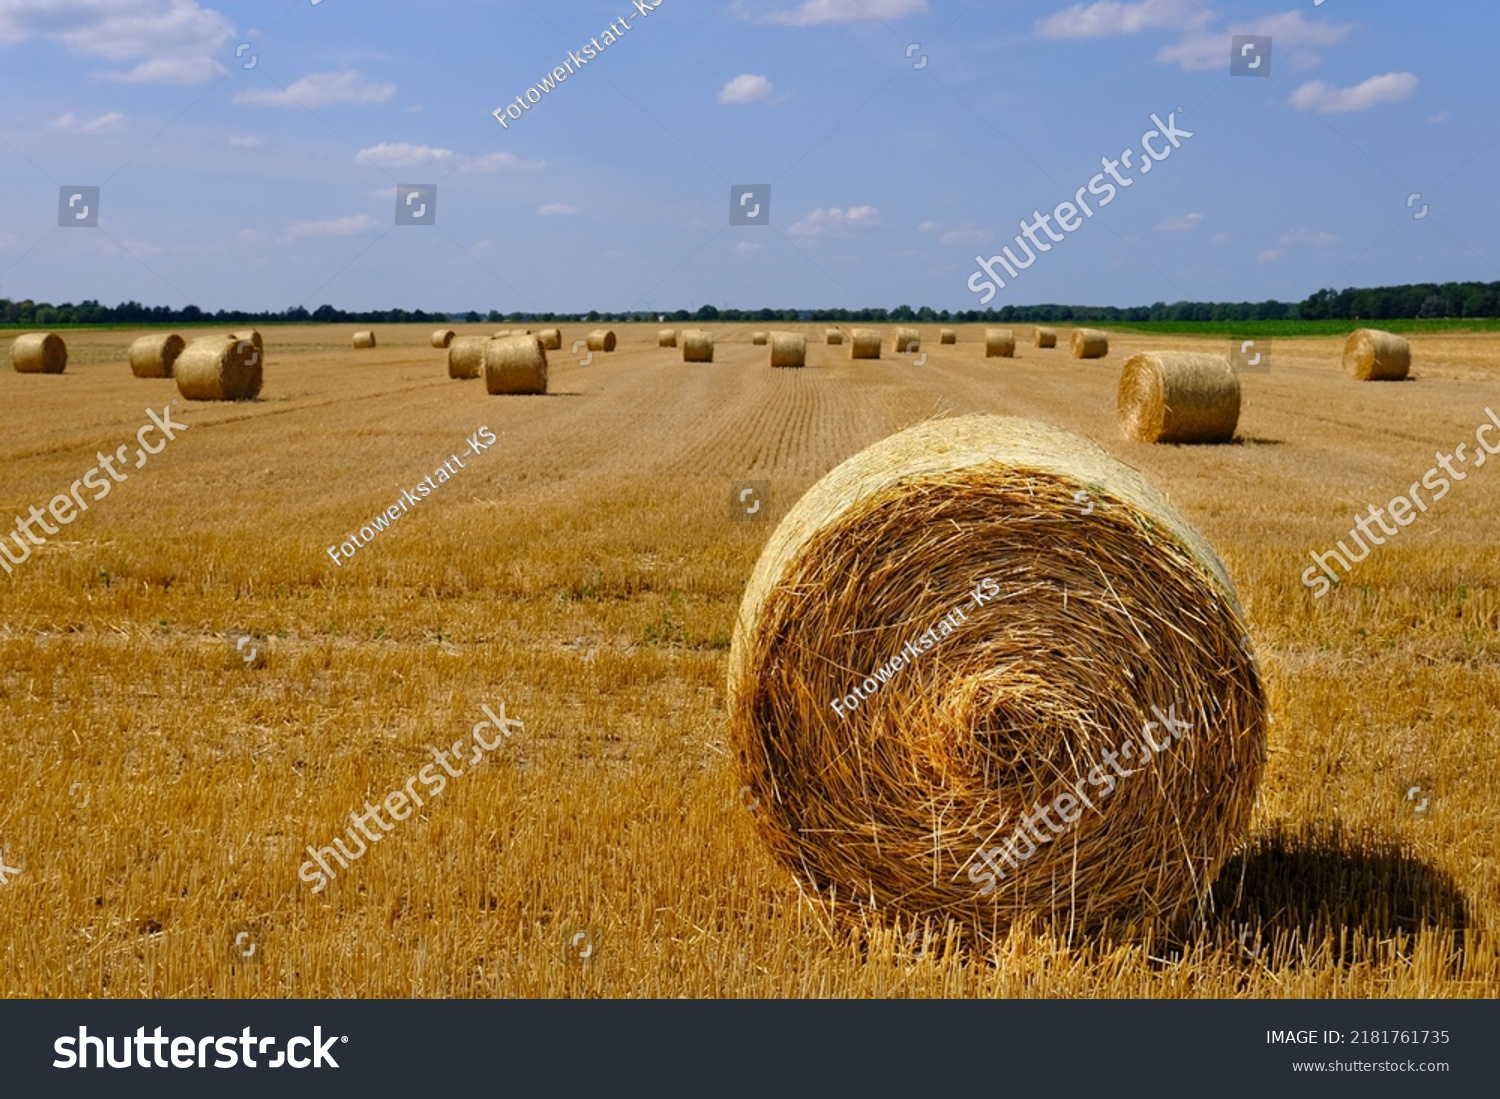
(748, 88)
(321, 90)
(745, 247)
(1317, 238)
(338, 227)
(74, 126)
(1294, 42)
(401, 155)
(812, 12)
(1108, 17)
(1320, 97)
(965, 235)
(826, 219)
(174, 41)
(1179, 223)
(502, 162)
(556, 209)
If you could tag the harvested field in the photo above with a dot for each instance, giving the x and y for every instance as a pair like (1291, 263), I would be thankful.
(161, 789)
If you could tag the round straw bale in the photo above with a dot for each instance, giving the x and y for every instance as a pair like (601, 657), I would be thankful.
(442, 337)
(364, 340)
(251, 334)
(219, 368)
(697, 346)
(833, 337)
(947, 335)
(758, 339)
(155, 355)
(515, 365)
(1089, 343)
(937, 642)
(1178, 397)
(39, 353)
(788, 349)
(551, 339)
(864, 343)
(1044, 337)
(466, 357)
(666, 337)
(903, 340)
(601, 339)
(999, 343)
(1374, 356)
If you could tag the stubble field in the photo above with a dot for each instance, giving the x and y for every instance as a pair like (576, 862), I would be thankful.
(159, 788)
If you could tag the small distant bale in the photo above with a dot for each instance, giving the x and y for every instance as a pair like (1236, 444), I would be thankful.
(551, 339)
(1089, 343)
(466, 357)
(363, 341)
(1178, 397)
(788, 349)
(833, 337)
(443, 337)
(666, 337)
(1371, 355)
(601, 339)
(516, 365)
(1044, 337)
(39, 353)
(864, 343)
(697, 346)
(947, 335)
(155, 356)
(758, 339)
(219, 368)
(999, 343)
(904, 339)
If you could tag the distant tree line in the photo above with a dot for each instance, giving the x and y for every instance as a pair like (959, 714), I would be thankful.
(1450, 299)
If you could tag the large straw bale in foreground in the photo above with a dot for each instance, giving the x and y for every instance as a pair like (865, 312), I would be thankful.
(220, 368)
(466, 357)
(1089, 343)
(788, 349)
(515, 365)
(601, 339)
(995, 651)
(864, 343)
(39, 353)
(1044, 337)
(697, 346)
(999, 343)
(155, 356)
(1178, 397)
(1374, 356)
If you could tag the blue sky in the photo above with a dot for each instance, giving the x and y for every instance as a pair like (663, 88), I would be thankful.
(892, 168)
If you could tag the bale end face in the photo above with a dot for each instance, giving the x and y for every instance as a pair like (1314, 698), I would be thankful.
(516, 365)
(39, 353)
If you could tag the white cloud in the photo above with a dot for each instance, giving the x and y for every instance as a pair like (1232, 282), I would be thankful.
(1110, 17)
(74, 126)
(811, 12)
(745, 247)
(250, 236)
(748, 88)
(173, 40)
(1317, 238)
(338, 227)
(556, 209)
(1294, 40)
(928, 227)
(827, 219)
(1388, 88)
(401, 155)
(321, 90)
(500, 162)
(1440, 117)
(1219, 238)
(1179, 223)
(966, 235)
(246, 142)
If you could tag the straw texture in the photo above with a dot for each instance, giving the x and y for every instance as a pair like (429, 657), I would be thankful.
(220, 368)
(466, 357)
(1044, 337)
(1076, 628)
(1089, 343)
(788, 349)
(155, 356)
(1178, 397)
(39, 353)
(515, 365)
(697, 346)
(1374, 356)
(999, 343)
